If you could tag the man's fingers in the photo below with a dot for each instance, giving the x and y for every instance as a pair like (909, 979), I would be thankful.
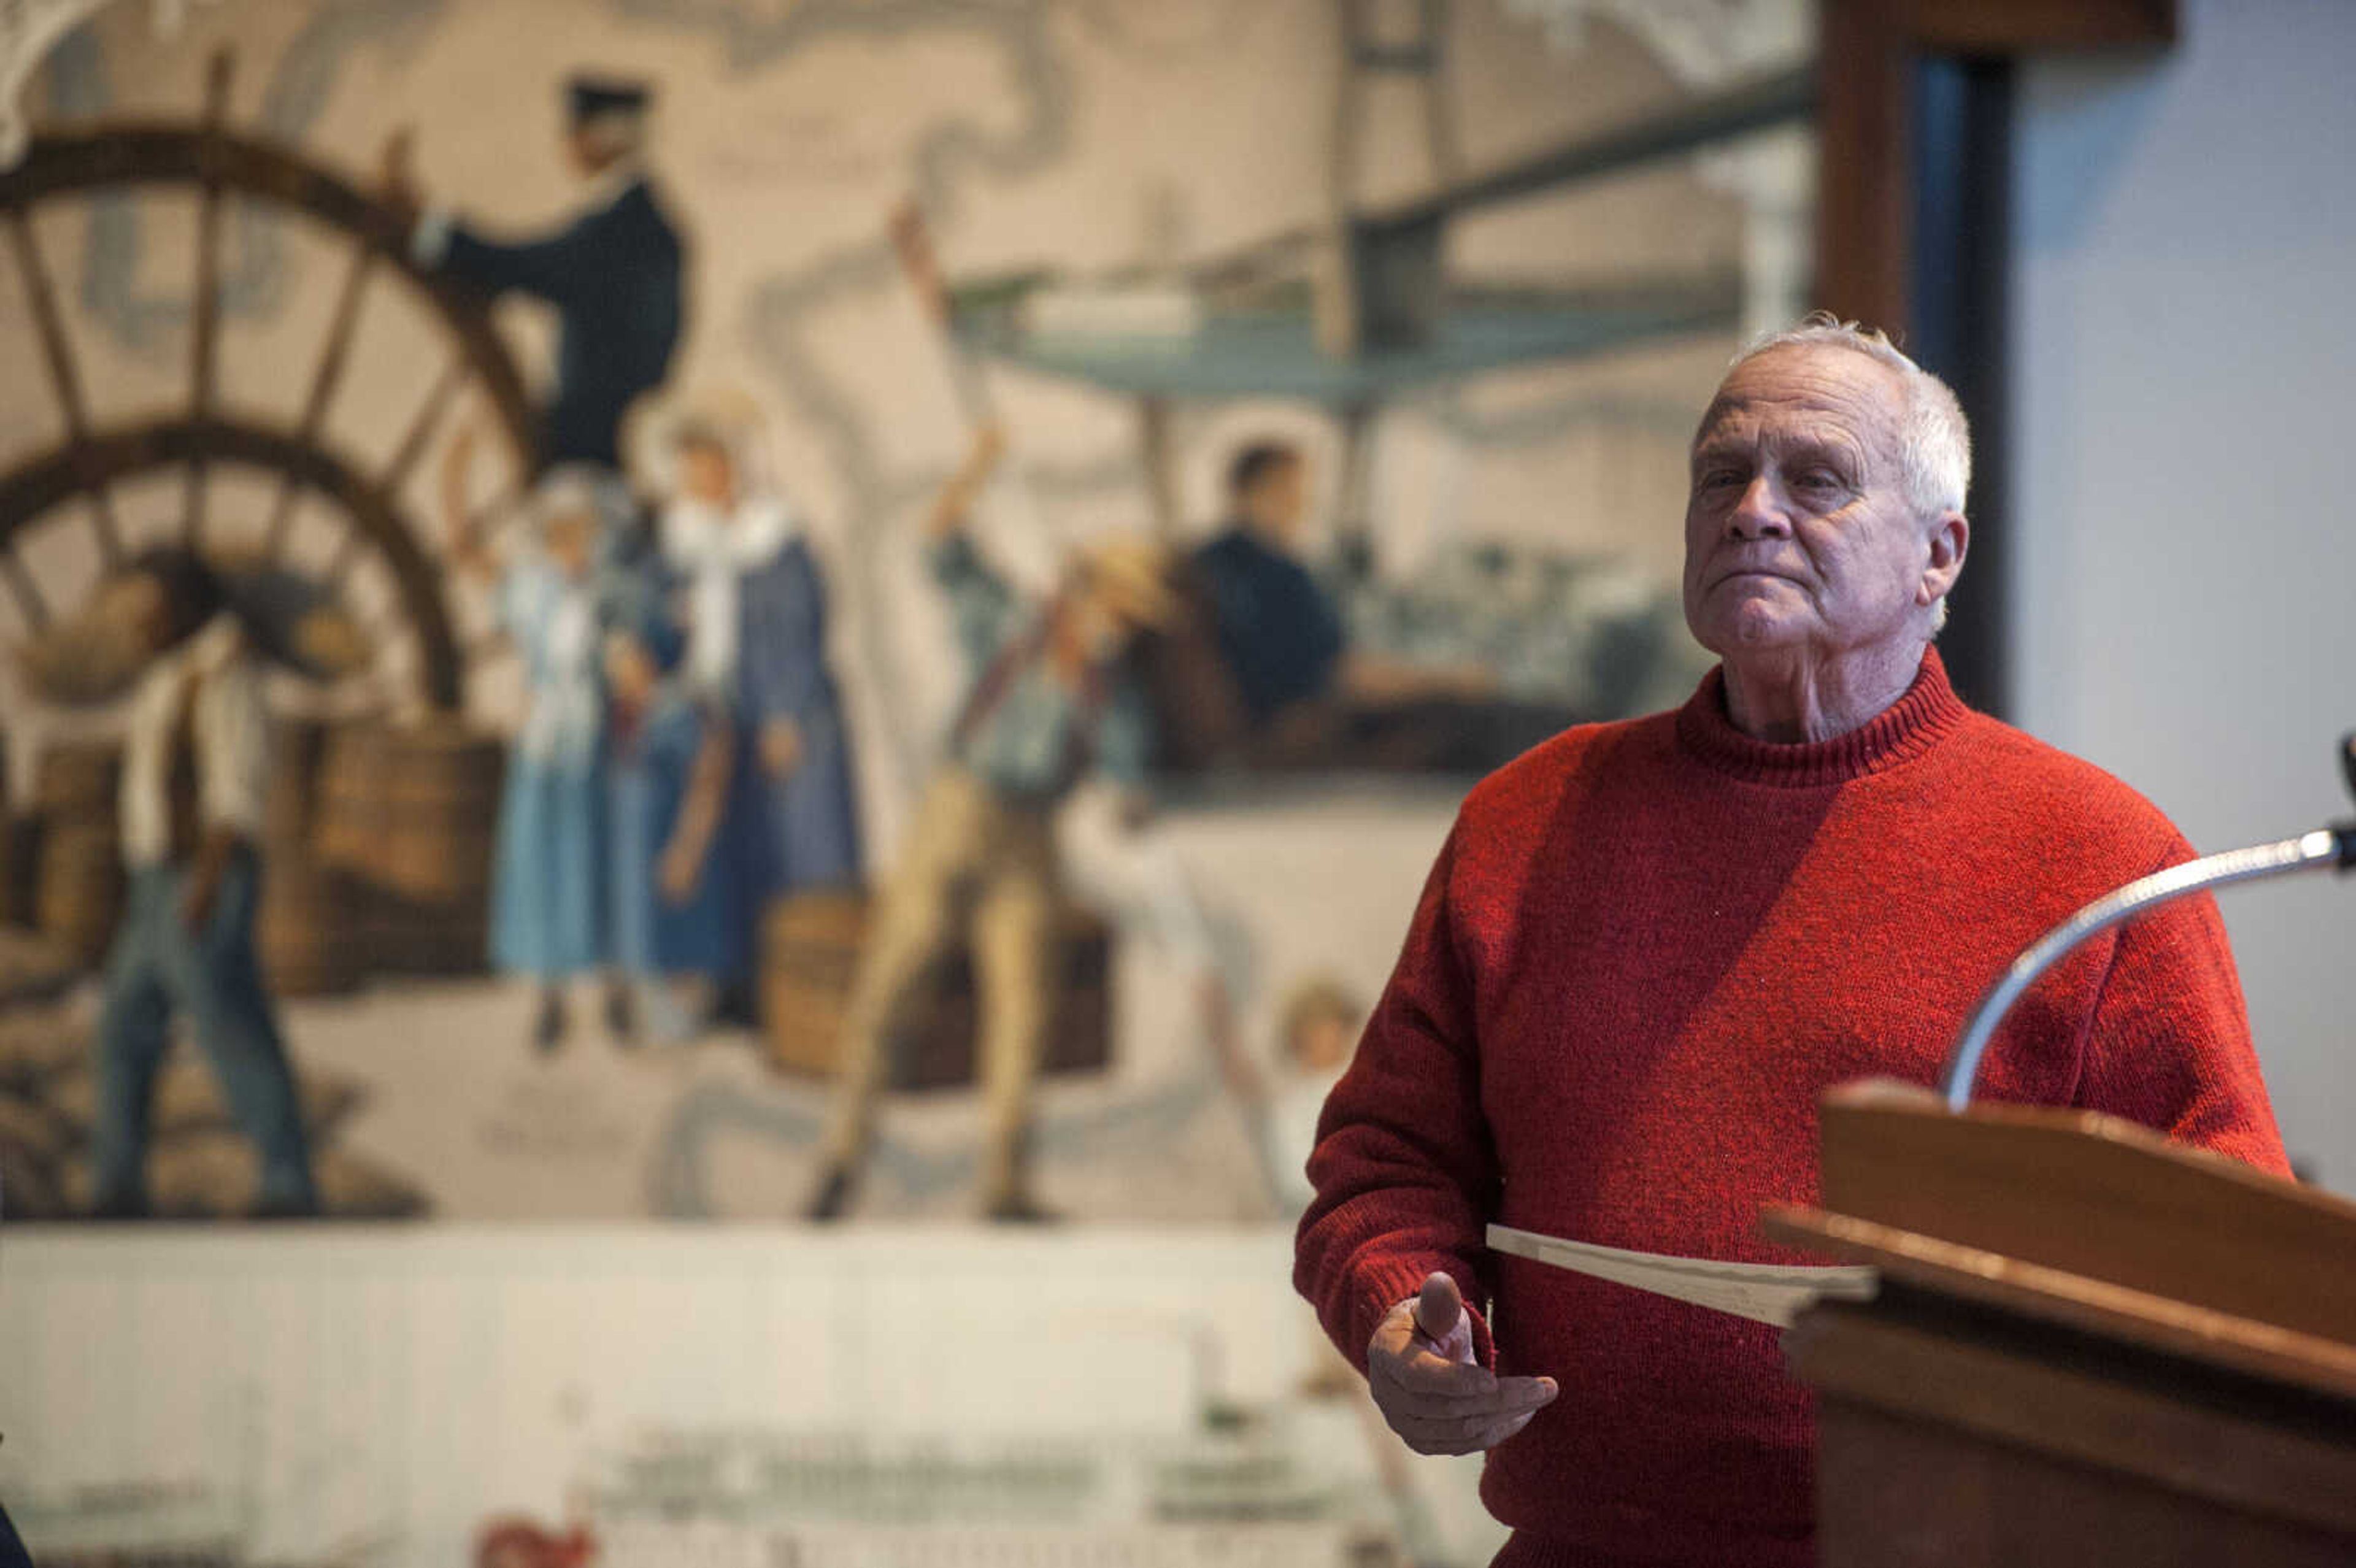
(1418, 1372)
(1484, 1440)
(1462, 1396)
(1474, 1442)
(1456, 1428)
(1439, 1307)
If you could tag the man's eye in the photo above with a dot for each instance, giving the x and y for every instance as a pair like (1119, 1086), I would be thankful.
(1821, 479)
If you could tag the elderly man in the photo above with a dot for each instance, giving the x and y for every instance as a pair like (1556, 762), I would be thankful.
(1648, 946)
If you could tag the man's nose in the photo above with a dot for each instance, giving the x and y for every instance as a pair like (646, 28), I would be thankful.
(1759, 512)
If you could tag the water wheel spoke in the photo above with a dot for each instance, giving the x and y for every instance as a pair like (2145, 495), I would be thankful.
(492, 518)
(282, 518)
(430, 413)
(382, 629)
(64, 380)
(205, 320)
(28, 592)
(328, 375)
(192, 500)
(338, 569)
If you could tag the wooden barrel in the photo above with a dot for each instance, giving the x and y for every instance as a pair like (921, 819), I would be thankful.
(78, 778)
(424, 937)
(347, 817)
(810, 953)
(440, 811)
(810, 944)
(81, 897)
(304, 929)
(20, 869)
(20, 854)
(298, 749)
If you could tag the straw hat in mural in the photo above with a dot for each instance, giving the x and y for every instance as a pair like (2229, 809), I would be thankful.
(659, 424)
(158, 598)
(1132, 575)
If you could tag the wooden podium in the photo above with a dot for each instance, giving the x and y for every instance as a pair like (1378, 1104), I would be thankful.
(2092, 1346)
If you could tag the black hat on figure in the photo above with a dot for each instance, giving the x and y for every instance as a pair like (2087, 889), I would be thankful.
(589, 97)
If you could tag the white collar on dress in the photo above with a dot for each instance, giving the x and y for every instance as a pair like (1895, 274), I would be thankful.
(607, 186)
(696, 534)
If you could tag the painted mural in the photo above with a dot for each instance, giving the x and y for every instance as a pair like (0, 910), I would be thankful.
(810, 611)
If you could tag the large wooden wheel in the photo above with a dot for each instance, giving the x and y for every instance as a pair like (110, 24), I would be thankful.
(73, 484)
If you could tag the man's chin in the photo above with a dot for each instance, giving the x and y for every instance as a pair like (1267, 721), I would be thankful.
(1751, 628)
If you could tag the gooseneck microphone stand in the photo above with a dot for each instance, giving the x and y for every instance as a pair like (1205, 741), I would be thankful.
(2333, 847)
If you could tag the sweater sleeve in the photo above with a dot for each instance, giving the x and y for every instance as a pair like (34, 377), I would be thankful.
(2168, 1042)
(1404, 1169)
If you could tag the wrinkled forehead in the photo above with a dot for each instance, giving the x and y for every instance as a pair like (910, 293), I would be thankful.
(1807, 392)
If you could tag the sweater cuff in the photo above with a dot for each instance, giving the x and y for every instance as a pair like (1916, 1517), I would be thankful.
(1401, 1279)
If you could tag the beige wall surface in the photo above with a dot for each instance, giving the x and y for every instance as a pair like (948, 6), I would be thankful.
(2186, 231)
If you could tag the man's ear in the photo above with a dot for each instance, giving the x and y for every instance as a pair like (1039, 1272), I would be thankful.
(1951, 538)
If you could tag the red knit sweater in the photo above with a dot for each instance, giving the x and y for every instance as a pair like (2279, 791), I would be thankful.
(1645, 951)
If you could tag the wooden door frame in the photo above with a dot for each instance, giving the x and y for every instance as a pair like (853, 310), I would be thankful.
(1914, 173)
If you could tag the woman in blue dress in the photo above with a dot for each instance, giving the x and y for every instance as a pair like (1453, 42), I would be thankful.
(751, 603)
(556, 603)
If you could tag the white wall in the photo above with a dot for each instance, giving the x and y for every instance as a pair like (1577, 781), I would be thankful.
(2184, 323)
(379, 1394)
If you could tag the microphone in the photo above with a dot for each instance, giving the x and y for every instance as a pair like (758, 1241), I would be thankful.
(2332, 847)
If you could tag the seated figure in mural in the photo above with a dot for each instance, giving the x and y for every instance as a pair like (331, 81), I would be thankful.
(1278, 629)
(1051, 701)
(558, 597)
(612, 274)
(188, 639)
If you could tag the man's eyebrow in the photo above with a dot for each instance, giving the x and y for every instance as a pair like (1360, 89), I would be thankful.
(1848, 455)
(1718, 409)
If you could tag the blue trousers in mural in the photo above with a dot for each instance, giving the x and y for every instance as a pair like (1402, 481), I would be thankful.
(213, 978)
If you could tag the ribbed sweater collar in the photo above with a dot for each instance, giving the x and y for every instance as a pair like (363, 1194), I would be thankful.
(1906, 729)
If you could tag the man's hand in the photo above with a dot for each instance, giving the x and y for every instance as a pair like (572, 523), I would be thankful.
(208, 869)
(199, 895)
(1420, 1370)
(781, 748)
(679, 870)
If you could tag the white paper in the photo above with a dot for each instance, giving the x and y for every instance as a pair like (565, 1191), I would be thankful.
(1765, 1292)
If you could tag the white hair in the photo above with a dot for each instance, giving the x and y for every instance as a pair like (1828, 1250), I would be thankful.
(1934, 440)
